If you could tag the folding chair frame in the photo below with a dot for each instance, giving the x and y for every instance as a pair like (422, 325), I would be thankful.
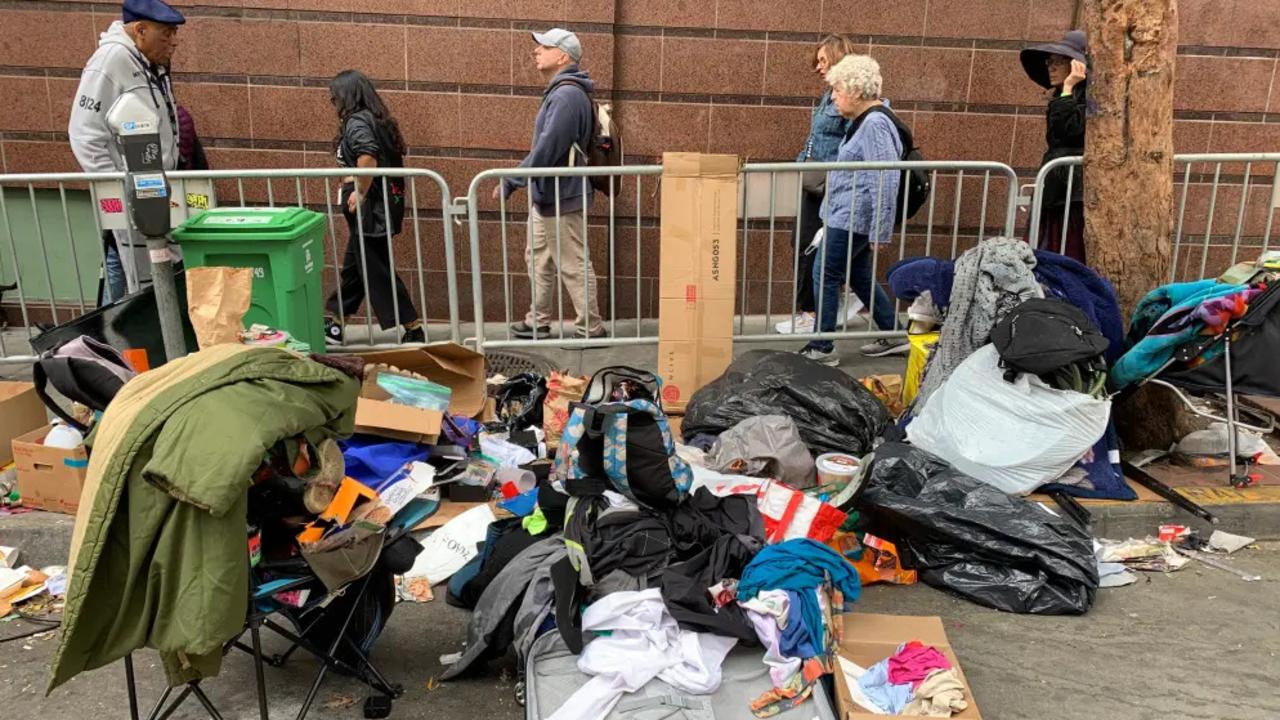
(367, 673)
(1239, 472)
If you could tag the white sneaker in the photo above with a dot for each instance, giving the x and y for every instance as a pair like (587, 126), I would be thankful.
(827, 358)
(886, 346)
(802, 323)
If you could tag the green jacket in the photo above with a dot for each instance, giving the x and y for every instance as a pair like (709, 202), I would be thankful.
(159, 551)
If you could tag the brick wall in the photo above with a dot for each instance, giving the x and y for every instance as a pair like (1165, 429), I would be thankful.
(704, 75)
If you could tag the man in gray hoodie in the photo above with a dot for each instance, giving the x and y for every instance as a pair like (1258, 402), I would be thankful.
(133, 56)
(558, 206)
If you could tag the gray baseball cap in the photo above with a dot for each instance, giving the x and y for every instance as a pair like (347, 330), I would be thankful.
(562, 39)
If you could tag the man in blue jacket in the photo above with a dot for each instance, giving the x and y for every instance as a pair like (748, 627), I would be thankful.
(558, 213)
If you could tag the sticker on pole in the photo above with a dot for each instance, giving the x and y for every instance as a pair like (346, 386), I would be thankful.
(150, 186)
(110, 199)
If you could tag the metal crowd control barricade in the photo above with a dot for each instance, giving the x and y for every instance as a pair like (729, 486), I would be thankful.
(968, 200)
(1224, 211)
(625, 218)
(52, 253)
(26, 268)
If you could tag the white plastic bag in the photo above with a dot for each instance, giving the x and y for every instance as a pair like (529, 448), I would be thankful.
(1015, 436)
(451, 546)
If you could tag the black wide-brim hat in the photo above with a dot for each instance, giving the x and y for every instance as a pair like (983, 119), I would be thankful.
(1074, 44)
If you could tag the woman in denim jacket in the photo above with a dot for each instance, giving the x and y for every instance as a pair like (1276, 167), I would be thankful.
(827, 129)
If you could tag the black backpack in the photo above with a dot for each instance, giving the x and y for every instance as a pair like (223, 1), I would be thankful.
(604, 147)
(915, 187)
(84, 370)
(1043, 336)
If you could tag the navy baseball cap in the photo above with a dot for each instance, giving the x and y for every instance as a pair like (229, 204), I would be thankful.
(154, 10)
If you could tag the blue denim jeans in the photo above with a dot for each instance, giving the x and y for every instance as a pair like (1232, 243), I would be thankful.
(829, 278)
(116, 285)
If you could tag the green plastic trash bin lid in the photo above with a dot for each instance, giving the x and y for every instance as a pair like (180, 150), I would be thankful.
(246, 223)
(283, 246)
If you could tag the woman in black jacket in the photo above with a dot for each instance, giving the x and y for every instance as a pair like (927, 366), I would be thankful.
(369, 137)
(1062, 68)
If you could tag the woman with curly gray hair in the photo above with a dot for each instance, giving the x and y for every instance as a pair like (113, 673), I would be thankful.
(859, 208)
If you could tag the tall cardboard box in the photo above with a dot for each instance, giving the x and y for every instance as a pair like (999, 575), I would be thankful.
(697, 279)
(49, 478)
(20, 412)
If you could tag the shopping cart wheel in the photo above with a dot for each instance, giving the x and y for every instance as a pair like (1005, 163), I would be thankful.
(377, 706)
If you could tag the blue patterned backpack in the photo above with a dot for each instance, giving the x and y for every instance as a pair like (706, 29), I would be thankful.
(626, 447)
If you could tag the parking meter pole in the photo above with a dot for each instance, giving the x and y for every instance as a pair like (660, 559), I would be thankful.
(167, 307)
(146, 190)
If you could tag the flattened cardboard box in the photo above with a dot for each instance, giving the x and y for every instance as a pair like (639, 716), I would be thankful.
(697, 285)
(20, 412)
(49, 478)
(869, 638)
(449, 364)
(377, 415)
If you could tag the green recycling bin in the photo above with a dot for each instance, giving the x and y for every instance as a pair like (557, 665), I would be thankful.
(285, 248)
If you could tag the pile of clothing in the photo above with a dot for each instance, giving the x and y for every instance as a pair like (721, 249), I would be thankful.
(664, 562)
(975, 293)
(1174, 315)
(917, 680)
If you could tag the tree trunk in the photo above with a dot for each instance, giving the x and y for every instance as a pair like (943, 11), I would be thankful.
(1129, 170)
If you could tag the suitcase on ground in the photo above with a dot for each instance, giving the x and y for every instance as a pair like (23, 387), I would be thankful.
(552, 676)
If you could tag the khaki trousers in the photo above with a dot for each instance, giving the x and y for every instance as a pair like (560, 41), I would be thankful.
(575, 271)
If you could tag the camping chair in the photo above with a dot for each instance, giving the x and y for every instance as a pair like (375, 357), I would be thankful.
(1238, 360)
(313, 627)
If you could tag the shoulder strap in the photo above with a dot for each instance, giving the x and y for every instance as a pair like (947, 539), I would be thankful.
(40, 378)
(591, 103)
(904, 132)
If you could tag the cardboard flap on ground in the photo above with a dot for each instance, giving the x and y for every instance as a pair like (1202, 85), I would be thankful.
(698, 239)
(49, 478)
(870, 638)
(21, 412)
(449, 364)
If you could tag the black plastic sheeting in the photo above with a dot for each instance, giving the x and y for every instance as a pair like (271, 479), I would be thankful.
(130, 322)
(832, 410)
(974, 540)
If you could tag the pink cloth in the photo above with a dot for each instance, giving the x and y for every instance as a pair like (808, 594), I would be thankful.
(914, 662)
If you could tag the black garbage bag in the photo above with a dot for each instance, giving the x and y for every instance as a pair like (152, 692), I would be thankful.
(832, 410)
(970, 538)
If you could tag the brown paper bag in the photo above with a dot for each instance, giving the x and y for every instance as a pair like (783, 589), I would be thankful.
(562, 390)
(217, 299)
(888, 388)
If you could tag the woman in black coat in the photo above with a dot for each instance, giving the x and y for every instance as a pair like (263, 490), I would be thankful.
(369, 137)
(1062, 68)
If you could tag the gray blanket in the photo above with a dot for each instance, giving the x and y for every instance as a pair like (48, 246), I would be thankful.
(990, 280)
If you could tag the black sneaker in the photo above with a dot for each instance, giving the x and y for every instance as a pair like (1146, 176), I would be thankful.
(414, 335)
(524, 330)
(332, 332)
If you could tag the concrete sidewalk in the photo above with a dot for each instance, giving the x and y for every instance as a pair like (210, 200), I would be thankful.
(1199, 644)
